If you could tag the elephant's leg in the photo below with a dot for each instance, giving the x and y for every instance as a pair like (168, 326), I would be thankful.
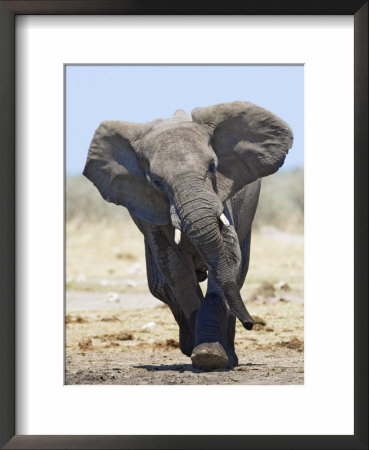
(245, 259)
(230, 335)
(216, 324)
(165, 291)
(215, 329)
(231, 319)
(215, 333)
(186, 332)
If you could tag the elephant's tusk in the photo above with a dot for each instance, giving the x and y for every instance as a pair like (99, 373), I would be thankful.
(224, 220)
(177, 236)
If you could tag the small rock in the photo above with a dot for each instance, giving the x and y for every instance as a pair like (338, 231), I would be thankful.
(283, 286)
(74, 319)
(149, 326)
(113, 297)
(124, 336)
(135, 269)
(131, 283)
(110, 319)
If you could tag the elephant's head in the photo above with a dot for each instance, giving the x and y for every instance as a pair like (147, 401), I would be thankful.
(181, 171)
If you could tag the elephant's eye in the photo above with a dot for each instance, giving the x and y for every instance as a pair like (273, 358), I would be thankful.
(158, 184)
(212, 168)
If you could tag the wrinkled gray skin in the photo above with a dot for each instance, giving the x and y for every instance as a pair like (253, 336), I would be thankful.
(184, 172)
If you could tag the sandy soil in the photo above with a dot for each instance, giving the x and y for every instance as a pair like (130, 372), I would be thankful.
(87, 300)
(140, 346)
(108, 306)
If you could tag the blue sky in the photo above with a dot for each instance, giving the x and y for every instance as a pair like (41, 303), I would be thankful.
(142, 93)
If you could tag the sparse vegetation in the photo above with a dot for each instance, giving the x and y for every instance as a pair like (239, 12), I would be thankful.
(281, 202)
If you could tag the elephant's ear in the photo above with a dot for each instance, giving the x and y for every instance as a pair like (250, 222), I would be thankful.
(250, 142)
(113, 167)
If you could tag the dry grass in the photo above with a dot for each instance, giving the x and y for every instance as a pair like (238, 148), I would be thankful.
(281, 202)
(110, 256)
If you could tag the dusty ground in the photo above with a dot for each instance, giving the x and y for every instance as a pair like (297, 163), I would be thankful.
(108, 306)
(114, 347)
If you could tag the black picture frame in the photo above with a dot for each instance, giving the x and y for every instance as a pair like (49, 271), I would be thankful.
(8, 12)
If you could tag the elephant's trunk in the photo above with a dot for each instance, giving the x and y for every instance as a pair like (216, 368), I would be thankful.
(199, 210)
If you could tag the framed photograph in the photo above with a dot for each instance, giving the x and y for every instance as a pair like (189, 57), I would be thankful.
(147, 306)
(108, 314)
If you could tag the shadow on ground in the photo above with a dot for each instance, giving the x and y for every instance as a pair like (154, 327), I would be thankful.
(181, 368)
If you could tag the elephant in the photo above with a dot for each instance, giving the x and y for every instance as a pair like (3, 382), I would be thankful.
(191, 185)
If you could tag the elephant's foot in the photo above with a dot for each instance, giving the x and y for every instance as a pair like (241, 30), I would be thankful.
(187, 333)
(186, 344)
(210, 355)
(233, 360)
